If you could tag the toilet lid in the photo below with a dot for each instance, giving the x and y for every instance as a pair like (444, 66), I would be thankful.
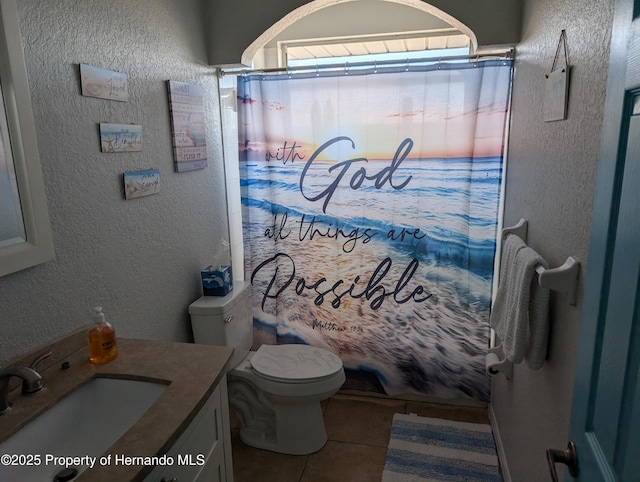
(295, 362)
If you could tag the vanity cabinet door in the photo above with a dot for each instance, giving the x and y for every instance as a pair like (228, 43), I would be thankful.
(203, 451)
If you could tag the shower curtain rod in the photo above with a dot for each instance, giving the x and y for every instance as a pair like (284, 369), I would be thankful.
(508, 54)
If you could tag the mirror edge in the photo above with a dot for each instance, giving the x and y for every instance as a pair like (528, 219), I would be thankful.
(39, 245)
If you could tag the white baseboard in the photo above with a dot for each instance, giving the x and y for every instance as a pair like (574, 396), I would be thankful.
(504, 467)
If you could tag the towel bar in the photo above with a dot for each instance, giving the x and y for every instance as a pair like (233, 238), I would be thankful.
(563, 278)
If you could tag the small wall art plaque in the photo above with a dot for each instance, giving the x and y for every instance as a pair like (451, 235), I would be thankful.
(120, 137)
(103, 83)
(556, 86)
(188, 135)
(141, 183)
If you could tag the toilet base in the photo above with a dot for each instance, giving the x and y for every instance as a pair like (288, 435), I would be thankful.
(288, 426)
(299, 430)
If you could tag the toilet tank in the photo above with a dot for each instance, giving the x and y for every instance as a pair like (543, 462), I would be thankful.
(225, 320)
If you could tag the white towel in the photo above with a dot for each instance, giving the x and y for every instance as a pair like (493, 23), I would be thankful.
(520, 313)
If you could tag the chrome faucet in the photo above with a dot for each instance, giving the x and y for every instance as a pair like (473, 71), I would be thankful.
(31, 381)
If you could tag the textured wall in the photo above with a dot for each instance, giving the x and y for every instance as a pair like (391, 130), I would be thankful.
(493, 22)
(550, 181)
(139, 259)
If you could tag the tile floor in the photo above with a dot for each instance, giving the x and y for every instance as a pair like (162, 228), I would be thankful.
(358, 429)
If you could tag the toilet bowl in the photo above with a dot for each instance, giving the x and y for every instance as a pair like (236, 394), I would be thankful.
(276, 391)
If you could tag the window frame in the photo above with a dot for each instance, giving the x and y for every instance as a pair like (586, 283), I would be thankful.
(328, 43)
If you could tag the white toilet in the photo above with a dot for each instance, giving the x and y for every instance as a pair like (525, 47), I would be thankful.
(276, 390)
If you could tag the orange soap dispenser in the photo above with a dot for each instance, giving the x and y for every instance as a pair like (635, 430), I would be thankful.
(102, 339)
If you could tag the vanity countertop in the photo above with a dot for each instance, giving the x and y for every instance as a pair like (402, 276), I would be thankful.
(190, 371)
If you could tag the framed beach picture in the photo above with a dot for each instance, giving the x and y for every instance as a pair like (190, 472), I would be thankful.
(188, 135)
(103, 83)
(141, 183)
(120, 137)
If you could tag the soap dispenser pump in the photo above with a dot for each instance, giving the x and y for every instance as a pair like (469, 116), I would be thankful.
(102, 339)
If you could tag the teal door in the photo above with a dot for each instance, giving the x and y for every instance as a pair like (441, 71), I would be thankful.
(605, 423)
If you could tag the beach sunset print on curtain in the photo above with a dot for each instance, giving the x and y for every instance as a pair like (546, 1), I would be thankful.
(370, 205)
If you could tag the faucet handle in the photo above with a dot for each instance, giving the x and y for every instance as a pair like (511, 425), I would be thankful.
(39, 358)
(34, 386)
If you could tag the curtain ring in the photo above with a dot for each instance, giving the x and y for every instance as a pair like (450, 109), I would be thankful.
(317, 71)
(406, 69)
(346, 68)
(375, 66)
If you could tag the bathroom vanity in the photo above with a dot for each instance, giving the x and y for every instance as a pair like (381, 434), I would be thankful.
(199, 454)
(183, 435)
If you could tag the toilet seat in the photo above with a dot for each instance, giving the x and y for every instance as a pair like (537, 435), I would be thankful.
(288, 387)
(295, 363)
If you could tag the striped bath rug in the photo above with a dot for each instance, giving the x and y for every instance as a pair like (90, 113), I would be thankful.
(432, 449)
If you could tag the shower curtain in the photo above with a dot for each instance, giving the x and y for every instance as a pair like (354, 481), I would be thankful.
(370, 201)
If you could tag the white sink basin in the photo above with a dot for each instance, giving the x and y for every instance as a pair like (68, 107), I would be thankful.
(84, 424)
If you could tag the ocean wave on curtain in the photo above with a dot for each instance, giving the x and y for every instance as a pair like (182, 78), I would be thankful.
(370, 206)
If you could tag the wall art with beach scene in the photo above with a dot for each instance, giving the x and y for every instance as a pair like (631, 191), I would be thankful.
(186, 107)
(141, 183)
(120, 137)
(103, 83)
